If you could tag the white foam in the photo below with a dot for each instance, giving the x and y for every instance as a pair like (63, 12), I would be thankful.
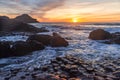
(13, 38)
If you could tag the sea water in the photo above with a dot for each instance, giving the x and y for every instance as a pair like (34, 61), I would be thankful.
(79, 45)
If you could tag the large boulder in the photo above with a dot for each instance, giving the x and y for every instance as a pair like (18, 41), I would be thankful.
(5, 50)
(44, 39)
(35, 45)
(21, 48)
(54, 41)
(58, 41)
(99, 34)
(26, 19)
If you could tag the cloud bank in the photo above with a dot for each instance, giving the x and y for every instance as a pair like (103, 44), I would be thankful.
(28, 6)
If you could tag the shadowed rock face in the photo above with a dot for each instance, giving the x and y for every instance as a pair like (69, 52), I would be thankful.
(26, 19)
(54, 41)
(44, 39)
(22, 48)
(99, 34)
(58, 41)
(19, 48)
(5, 49)
(3, 19)
(12, 25)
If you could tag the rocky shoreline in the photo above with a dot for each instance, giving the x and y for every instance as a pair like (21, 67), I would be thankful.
(67, 68)
(61, 68)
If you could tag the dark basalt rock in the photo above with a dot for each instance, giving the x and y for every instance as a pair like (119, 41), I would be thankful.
(26, 19)
(106, 37)
(3, 19)
(12, 25)
(99, 34)
(35, 45)
(56, 71)
(58, 41)
(54, 41)
(117, 74)
(20, 48)
(44, 39)
(5, 50)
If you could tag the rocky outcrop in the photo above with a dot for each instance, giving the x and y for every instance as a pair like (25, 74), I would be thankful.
(54, 41)
(11, 25)
(26, 19)
(99, 34)
(3, 20)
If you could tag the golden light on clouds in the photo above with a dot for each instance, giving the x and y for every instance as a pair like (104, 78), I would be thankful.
(63, 10)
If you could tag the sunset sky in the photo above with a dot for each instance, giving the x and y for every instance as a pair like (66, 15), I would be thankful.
(63, 10)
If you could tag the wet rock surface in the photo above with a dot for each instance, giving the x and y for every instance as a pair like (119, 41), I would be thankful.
(55, 40)
(67, 68)
(45, 39)
(58, 41)
(33, 43)
(99, 34)
(106, 37)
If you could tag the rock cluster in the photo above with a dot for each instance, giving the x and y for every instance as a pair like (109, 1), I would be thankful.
(68, 68)
(72, 68)
(33, 43)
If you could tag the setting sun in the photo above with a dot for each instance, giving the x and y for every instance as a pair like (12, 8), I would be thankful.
(74, 20)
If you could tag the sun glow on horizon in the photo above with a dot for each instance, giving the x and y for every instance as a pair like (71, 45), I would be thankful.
(74, 20)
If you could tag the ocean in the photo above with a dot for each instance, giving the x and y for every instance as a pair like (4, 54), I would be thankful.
(79, 46)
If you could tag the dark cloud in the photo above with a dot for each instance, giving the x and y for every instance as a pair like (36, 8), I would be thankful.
(29, 6)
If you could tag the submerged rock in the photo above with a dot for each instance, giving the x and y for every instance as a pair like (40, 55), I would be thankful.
(99, 34)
